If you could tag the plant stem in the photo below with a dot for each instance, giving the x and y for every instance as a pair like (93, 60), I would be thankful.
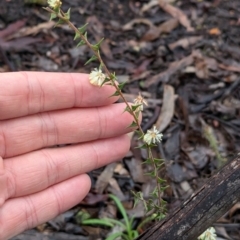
(155, 175)
(62, 16)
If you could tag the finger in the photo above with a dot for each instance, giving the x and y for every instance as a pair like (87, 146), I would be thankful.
(3, 183)
(18, 136)
(25, 93)
(38, 170)
(20, 214)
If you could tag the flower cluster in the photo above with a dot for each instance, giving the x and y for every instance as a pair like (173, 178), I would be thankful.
(139, 101)
(54, 4)
(209, 234)
(152, 136)
(97, 77)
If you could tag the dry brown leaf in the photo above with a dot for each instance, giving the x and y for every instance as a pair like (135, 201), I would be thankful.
(234, 209)
(26, 31)
(149, 5)
(115, 189)
(185, 42)
(173, 68)
(154, 32)
(230, 68)
(176, 13)
(129, 25)
(103, 179)
(167, 110)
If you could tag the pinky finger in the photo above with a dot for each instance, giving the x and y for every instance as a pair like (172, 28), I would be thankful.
(20, 214)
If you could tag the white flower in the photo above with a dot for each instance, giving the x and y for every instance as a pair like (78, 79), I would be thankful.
(152, 136)
(54, 3)
(139, 101)
(96, 77)
(209, 234)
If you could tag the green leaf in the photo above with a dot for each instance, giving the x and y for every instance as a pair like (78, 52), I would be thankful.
(106, 80)
(97, 45)
(143, 146)
(147, 161)
(113, 76)
(121, 209)
(85, 35)
(82, 29)
(81, 43)
(67, 14)
(77, 35)
(127, 109)
(133, 124)
(115, 94)
(102, 222)
(140, 135)
(160, 180)
(121, 85)
(60, 21)
(134, 107)
(53, 16)
(114, 236)
(93, 58)
(151, 174)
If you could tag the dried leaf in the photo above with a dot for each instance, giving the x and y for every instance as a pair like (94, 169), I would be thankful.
(176, 13)
(129, 25)
(105, 176)
(154, 32)
(167, 110)
(173, 68)
(185, 42)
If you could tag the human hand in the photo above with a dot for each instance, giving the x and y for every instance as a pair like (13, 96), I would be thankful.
(41, 110)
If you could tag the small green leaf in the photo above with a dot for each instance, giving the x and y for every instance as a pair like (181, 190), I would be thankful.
(140, 135)
(147, 161)
(97, 45)
(160, 180)
(81, 43)
(53, 16)
(102, 222)
(134, 107)
(93, 58)
(76, 36)
(143, 146)
(121, 85)
(133, 124)
(113, 76)
(151, 174)
(67, 14)
(115, 94)
(127, 109)
(105, 81)
(60, 21)
(82, 29)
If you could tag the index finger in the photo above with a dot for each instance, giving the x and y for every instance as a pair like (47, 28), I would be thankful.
(25, 93)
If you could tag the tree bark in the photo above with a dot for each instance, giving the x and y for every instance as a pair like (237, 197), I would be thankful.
(204, 208)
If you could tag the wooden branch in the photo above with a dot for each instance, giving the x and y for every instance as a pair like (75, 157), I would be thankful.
(204, 208)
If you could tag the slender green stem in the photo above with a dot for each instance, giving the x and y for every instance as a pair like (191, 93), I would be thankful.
(156, 175)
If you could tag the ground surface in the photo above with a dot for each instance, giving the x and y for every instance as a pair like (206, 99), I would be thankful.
(187, 65)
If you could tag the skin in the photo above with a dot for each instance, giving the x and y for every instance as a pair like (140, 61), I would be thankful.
(40, 110)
